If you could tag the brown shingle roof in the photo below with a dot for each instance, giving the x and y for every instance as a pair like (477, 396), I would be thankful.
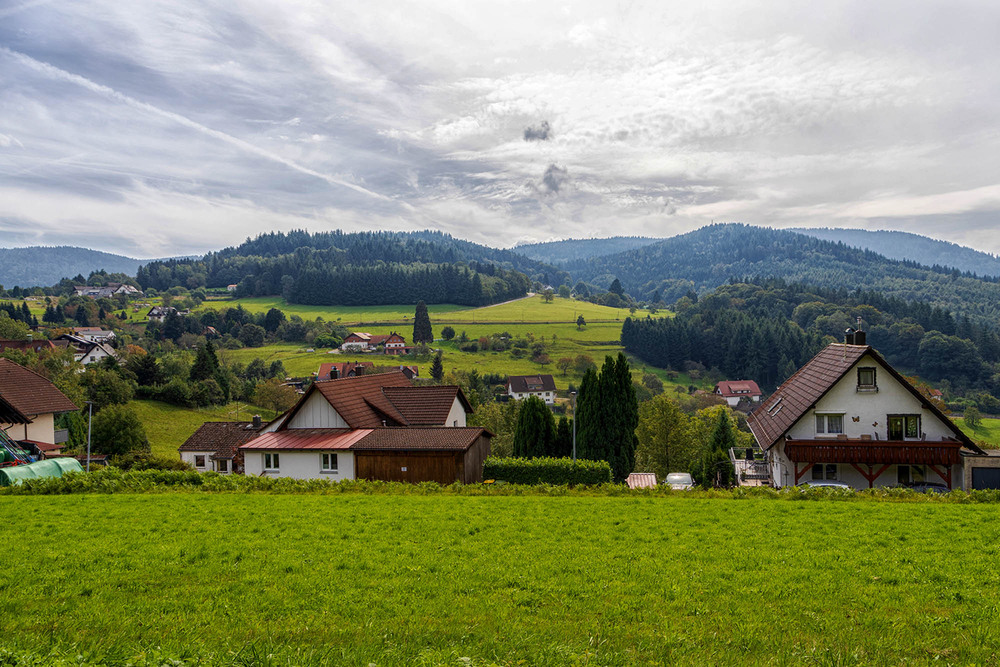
(525, 383)
(29, 393)
(359, 400)
(223, 438)
(733, 388)
(419, 438)
(27, 345)
(426, 406)
(799, 393)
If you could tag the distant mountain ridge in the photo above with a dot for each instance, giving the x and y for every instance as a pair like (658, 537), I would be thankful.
(43, 266)
(914, 247)
(571, 250)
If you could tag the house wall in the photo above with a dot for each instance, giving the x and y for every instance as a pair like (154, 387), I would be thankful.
(550, 399)
(188, 457)
(42, 428)
(473, 460)
(413, 467)
(301, 464)
(457, 414)
(971, 462)
(869, 408)
(317, 412)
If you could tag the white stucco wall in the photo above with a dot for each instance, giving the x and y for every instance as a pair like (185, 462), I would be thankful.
(550, 399)
(41, 429)
(317, 412)
(300, 464)
(188, 457)
(869, 408)
(457, 414)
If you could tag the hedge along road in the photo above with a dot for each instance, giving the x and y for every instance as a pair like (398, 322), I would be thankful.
(359, 579)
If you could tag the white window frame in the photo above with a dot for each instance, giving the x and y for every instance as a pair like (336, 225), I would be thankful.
(328, 463)
(823, 423)
(272, 462)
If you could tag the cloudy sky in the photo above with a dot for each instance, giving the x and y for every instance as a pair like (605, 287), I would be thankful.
(156, 128)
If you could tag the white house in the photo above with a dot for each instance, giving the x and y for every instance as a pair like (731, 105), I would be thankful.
(848, 416)
(28, 405)
(735, 391)
(216, 445)
(94, 334)
(523, 386)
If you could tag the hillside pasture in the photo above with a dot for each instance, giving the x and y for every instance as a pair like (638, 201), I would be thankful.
(168, 426)
(988, 431)
(433, 580)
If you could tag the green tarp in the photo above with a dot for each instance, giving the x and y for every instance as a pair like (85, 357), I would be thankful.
(48, 468)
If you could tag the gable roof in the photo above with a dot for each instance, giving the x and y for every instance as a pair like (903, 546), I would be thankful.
(223, 438)
(799, 393)
(27, 345)
(344, 368)
(526, 383)
(308, 438)
(29, 393)
(358, 400)
(426, 406)
(734, 388)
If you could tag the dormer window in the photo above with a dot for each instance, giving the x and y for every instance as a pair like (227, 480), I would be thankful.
(866, 379)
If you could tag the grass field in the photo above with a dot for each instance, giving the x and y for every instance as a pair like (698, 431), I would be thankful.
(168, 426)
(988, 431)
(393, 580)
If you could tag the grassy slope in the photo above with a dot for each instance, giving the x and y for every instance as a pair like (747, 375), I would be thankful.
(988, 431)
(168, 426)
(511, 580)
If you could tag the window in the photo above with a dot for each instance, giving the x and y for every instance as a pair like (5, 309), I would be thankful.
(902, 427)
(222, 465)
(328, 463)
(910, 474)
(199, 461)
(866, 379)
(271, 462)
(824, 471)
(829, 424)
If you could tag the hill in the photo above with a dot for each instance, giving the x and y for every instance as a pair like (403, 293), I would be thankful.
(712, 255)
(40, 266)
(914, 247)
(571, 250)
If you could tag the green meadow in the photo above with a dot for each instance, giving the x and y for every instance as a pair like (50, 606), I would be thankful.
(355, 579)
(988, 431)
(168, 426)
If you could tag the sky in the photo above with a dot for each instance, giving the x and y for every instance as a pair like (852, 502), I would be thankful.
(155, 128)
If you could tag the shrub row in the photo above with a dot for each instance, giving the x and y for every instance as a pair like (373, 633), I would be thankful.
(543, 470)
(113, 480)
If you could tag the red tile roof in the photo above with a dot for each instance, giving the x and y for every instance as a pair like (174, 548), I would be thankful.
(223, 438)
(27, 345)
(524, 383)
(738, 388)
(426, 406)
(29, 393)
(799, 393)
(308, 438)
(359, 400)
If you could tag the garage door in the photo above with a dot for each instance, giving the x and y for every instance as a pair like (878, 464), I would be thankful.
(986, 478)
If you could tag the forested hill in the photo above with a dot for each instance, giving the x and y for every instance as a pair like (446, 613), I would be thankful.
(710, 256)
(43, 266)
(571, 250)
(903, 245)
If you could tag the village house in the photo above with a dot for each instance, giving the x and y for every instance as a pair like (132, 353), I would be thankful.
(372, 427)
(735, 391)
(523, 386)
(28, 406)
(85, 351)
(216, 445)
(30, 345)
(159, 313)
(106, 291)
(94, 334)
(343, 369)
(848, 417)
(359, 341)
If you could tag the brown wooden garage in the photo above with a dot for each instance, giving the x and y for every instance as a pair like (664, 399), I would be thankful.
(442, 455)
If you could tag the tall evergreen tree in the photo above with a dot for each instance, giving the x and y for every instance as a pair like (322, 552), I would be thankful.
(437, 368)
(616, 288)
(589, 441)
(536, 430)
(422, 332)
(563, 444)
(206, 364)
(607, 414)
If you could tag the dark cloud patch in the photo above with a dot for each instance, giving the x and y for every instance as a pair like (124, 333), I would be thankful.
(554, 178)
(540, 132)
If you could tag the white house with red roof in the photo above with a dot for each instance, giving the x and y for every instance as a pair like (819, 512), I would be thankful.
(735, 391)
(848, 417)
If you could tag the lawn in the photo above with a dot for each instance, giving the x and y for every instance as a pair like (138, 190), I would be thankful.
(988, 431)
(434, 580)
(168, 426)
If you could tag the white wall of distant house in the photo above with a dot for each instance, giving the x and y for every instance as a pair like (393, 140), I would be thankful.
(300, 464)
(547, 396)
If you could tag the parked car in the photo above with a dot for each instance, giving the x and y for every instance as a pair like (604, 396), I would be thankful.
(826, 483)
(929, 487)
(679, 481)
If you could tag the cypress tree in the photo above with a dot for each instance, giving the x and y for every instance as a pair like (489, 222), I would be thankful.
(535, 433)
(437, 368)
(588, 430)
(422, 332)
(563, 444)
(203, 366)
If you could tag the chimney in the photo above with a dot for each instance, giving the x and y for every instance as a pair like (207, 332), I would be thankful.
(849, 336)
(257, 421)
(859, 335)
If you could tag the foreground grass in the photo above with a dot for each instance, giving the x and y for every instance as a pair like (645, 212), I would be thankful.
(358, 579)
(988, 431)
(168, 426)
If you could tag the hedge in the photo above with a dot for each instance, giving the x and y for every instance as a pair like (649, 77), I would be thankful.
(544, 470)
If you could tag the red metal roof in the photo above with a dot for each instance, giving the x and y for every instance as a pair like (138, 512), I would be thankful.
(308, 438)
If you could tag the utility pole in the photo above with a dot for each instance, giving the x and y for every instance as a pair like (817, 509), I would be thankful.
(90, 422)
(573, 396)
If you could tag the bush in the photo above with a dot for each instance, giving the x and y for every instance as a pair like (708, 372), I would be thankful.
(447, 333)
(469, 347)
(176, 392)
(547, 471)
